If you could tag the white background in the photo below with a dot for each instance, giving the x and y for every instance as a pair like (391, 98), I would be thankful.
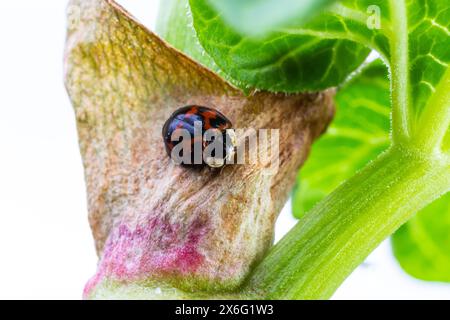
(46, 249)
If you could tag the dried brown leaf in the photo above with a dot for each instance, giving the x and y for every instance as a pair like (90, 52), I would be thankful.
(153, 220)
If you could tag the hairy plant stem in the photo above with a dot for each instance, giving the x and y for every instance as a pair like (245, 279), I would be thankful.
(399, 71)
(435, 120)
(316, 256)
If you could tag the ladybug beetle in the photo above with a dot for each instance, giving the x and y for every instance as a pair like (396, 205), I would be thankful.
(201, 127)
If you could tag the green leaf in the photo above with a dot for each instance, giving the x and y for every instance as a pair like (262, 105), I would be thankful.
(358, 134)
(410, 35)
(429, 75)
(422, 246)
(174, 24)
(429, 34)
(256, 17)
(299, 57)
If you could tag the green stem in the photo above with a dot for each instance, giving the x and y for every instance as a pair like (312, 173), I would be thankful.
(399, 71)
(435, 119)
(316, 256)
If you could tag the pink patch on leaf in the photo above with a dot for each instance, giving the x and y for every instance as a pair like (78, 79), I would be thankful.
(157, 248)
